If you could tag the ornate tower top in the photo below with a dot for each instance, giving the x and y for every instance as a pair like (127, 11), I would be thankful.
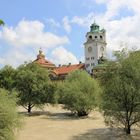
(40, 55)
(94, 27)
(43, 62)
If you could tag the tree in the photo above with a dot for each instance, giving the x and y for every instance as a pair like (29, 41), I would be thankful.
(80, 92)
(121, 96)
(30, 82)
(9, 118)
(7, 75)
(2, 22)
(50, 92)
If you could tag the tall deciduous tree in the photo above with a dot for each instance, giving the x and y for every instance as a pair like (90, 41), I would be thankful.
(121, 96)
(9, 118)
(7, 77)
(80, 92)
(30, 82)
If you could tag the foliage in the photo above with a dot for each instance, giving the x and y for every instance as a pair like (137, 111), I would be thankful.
(30, 82)
(9, 118)
(7, 75)
(2, 22)
(80, 92)
(50, 92)
(122, 54)
(121, 96)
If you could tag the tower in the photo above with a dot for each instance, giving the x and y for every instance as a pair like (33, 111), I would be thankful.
(95, 47)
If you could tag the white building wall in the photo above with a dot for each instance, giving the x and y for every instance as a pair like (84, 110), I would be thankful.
(95, 47)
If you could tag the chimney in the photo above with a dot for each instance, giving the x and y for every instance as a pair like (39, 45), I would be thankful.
(80, 62)
(69, 64)
(59, 65)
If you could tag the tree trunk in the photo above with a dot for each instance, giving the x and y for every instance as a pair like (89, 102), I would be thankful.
(29, 108)
(128, 130)
(82, 113)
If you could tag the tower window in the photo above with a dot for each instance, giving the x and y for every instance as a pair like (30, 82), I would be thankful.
(101, 37)
(90, 37)
(92, 58)
(87, 65)
(96, 37)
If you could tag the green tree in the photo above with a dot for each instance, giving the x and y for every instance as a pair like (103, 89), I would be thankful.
(50, 92)
(30, 82)
(7, 75)
(2, 22)
(121, 96)
(9, 118)
(80, 92)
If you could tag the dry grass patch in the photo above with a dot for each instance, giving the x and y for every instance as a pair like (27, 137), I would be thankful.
(55, 123)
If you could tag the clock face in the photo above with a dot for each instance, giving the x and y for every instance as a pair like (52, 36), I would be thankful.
(89, 49)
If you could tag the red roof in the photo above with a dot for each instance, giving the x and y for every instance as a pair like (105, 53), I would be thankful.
(67, 69)
(43, 62)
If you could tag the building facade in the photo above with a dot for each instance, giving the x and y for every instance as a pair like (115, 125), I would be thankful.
(95, 47)
(95, 52)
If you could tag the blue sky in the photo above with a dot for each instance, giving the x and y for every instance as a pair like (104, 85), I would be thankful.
(59, 28)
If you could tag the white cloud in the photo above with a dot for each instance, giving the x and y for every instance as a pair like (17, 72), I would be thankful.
(23, 40)
(16, 56)
(66, 24)
(62, 56)
(122, 30)
(52, 22)
(84, 21)
(31, 33)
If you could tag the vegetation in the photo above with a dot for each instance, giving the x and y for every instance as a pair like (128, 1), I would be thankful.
(80, 92)
(31, 80)
(2, 22)
(121, 94)
(7, 75)
(9, 118)
(50, 92)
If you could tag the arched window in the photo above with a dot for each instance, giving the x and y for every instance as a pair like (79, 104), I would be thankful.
(90, 37)
(101, 37)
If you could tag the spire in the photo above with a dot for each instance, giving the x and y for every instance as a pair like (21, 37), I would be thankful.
(40, 55)
(94, 27)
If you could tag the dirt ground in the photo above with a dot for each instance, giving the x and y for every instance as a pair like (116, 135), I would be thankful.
(55, 123)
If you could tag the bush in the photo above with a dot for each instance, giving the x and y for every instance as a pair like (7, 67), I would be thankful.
(80, 93)
(9, 118)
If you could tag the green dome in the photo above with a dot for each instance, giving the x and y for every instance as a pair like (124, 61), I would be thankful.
(94, 27)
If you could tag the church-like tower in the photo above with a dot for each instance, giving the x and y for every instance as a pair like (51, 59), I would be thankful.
(95, 47)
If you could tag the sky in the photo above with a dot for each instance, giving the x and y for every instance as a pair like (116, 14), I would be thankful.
(59, 27)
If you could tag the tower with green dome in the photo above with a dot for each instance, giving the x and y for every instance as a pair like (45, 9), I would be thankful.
(95, 46)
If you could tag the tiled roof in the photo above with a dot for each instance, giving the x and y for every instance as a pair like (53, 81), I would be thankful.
(43, 62)
(62, 70)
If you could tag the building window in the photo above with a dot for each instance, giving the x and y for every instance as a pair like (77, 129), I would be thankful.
(87, 65)
(96, 37)
(90, 37)
(87, 58)
(92, 64)
(92, 58)
(101, 37)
